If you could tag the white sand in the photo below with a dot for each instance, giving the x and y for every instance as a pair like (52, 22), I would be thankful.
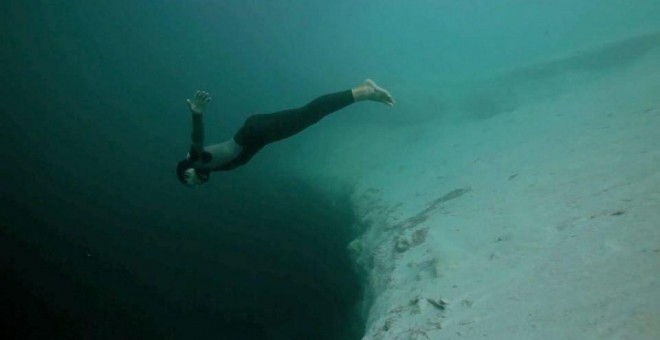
(558, 236)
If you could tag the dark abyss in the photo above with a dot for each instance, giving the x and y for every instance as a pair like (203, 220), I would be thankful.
(273, 262)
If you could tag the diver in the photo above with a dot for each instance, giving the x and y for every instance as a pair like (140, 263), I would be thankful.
(260, 130)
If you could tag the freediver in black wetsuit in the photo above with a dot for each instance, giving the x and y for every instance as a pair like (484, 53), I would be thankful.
(260, 130)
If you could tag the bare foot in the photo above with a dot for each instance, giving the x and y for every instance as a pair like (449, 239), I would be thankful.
(370, 91)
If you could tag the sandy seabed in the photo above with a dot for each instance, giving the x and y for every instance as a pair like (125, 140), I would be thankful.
(538, 223)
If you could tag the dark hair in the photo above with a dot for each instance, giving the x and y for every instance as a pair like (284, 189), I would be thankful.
(186, 164)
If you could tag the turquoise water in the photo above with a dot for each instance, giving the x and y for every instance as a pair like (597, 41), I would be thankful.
(99, 238)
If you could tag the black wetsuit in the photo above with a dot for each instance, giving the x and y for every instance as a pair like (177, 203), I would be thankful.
(260, 130)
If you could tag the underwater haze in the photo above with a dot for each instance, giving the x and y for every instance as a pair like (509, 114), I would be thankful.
(99, 240)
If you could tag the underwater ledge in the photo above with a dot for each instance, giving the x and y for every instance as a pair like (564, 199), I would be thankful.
(533, 222)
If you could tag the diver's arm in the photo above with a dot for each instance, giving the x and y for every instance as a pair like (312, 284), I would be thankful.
(197, 132)
(197, 106)
(212, 156)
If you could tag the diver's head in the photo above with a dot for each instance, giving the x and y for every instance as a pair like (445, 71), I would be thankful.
(189, 175)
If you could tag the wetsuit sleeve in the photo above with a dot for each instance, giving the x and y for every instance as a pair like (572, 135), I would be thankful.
(197, 148)
(197, 133)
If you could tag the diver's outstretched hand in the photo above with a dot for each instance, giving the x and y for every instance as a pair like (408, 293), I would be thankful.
(370, 91)
(199, 102)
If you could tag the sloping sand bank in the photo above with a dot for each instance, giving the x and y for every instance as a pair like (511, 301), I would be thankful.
(538, 222)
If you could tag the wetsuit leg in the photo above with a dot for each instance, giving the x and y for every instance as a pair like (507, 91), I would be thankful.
(270, 127)
(262, 129)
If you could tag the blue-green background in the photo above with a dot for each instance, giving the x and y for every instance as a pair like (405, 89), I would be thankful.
(99, 240)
